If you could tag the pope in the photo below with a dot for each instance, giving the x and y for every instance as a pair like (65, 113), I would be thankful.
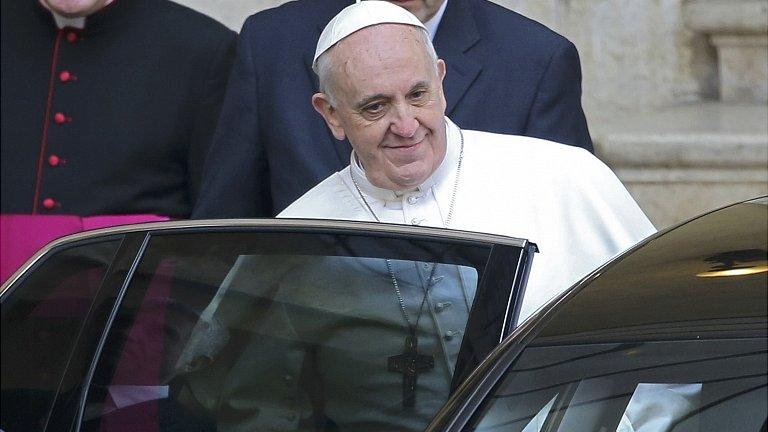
(372, 352)
(381, 88)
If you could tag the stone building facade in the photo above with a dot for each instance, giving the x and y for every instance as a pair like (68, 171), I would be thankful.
(675, 92)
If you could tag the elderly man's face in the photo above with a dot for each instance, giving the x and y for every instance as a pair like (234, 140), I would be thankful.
(75, 8)
(389, 103)
(423, 9)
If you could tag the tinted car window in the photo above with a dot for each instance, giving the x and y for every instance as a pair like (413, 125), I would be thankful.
(706, 385)
(286, 332)
(41, 320)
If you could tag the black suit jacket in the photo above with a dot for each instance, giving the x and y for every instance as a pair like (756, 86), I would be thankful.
(505, 74)
(145, 80)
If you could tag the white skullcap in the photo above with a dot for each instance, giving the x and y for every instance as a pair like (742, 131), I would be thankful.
(359, 16)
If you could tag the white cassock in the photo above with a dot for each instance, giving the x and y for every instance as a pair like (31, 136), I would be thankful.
(560, 197)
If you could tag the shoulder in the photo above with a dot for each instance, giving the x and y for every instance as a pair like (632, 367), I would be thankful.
(330, 199)
(563, 177)
(555, 181)
(524, 148)
(536, 162)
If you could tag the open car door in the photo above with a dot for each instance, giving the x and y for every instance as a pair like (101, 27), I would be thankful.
(254, 325)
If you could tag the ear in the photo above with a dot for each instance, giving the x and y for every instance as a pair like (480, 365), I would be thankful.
(322, 104)
(441, 76)
(441, 69)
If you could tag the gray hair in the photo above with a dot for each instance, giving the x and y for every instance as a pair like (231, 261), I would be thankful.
(324, 65)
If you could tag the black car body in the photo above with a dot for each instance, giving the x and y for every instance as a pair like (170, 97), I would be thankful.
(670, 336)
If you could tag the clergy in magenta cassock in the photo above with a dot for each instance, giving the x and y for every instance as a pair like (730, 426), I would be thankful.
(108, 108)
(381, 88)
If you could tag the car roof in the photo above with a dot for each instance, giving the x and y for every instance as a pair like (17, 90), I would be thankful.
(685, 283)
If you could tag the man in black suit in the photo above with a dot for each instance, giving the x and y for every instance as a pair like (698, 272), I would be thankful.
(505, 74)
(108, 109)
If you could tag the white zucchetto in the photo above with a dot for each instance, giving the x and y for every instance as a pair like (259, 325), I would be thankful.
(359, 16)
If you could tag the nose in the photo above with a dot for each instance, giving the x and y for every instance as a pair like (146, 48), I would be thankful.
(404, 123)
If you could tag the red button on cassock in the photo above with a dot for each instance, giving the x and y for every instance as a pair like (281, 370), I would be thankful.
(71, 37)
(53, 160)
(59, 118)
(65, 76)
(49, 203)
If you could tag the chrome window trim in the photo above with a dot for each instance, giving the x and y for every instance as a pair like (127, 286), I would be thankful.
(509, 309)
(368, 227)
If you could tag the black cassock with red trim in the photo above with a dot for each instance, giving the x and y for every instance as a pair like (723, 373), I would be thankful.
(112, 119)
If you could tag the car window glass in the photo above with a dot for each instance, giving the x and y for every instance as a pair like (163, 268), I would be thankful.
(537, 423)
(41, 319)
(704, 385)
(657, 406)
(269, 332)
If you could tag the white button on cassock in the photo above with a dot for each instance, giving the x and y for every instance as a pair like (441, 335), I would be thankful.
(439, 307)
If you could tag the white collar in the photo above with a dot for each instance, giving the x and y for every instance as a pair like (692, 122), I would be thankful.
(62, 21)
(434, 22)
(444, 171)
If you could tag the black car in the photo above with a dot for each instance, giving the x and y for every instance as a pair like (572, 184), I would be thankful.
(670, 336)
(320, 325)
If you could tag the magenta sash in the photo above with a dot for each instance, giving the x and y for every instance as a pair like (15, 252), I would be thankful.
(22, 235)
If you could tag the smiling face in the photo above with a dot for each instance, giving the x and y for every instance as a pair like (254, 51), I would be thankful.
(388, 101)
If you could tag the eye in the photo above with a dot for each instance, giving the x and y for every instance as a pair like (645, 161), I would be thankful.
(418, 95)
(373, 110)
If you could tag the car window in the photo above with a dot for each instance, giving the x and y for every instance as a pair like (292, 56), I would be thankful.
(41, 320)
(700, 385)
(268, 331)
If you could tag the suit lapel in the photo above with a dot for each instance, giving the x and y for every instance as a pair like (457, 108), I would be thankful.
(456, 35)
(324, 15)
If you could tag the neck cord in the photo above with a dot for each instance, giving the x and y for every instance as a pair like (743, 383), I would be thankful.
(395, 284)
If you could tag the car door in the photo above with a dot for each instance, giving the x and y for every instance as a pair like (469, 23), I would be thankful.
(257, 325)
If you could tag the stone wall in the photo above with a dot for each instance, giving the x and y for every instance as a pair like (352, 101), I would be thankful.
(675, 92)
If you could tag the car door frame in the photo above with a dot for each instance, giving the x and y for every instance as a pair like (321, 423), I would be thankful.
(67, 412)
